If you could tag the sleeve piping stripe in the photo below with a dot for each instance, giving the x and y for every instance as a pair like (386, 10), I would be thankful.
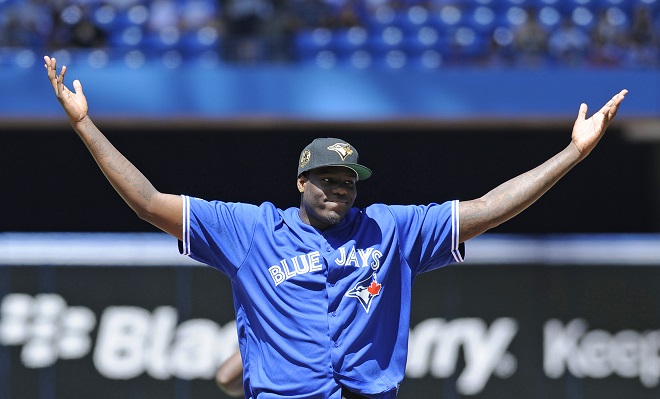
(458, 257)
(186, 226)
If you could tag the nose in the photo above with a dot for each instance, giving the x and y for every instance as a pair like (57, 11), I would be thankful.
(339, 189)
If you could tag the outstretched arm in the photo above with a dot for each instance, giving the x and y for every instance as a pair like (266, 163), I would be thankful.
(162, 210)
(512, 197)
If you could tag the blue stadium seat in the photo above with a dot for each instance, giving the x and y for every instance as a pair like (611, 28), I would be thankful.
(549, 17)
(347, 41)
(359, 59)
(429, 59)
(468, 43)
(163, 40)
(426, 38)
(447, 16)
(617, 16)
(583, 17)
(379, 19)
(411, 20)
(104, 16)
(391, 38)
(391, 59)
(308, 43)
(197, 41)
(512, 17)
(482, 19)
(129, 37)
(628, 6)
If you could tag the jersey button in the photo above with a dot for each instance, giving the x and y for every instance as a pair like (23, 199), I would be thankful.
(336, 345)
(334, 314)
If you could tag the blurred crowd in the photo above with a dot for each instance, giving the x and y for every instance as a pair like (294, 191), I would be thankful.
(487, 33)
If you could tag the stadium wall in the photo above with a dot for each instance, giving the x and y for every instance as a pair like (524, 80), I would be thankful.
(52, 183)
(124, 315)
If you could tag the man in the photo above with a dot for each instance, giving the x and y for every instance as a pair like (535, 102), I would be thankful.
(322, 292)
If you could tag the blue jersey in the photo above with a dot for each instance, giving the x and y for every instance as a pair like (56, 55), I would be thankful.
(318, 310)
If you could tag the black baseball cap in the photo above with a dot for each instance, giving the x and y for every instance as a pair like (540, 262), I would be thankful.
(331, 152)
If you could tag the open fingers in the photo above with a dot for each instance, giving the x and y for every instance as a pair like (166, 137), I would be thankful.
(57, 81)
(616, 101)
(611, 107)
(51, 69)
(60, 80)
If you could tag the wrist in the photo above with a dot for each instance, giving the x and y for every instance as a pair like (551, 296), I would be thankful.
(574, 153)
(80, 123)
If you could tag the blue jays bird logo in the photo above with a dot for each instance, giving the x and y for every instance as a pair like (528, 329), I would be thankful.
(365, 291)
(342, 149)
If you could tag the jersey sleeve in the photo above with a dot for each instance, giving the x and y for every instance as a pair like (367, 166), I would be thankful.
(217, 233)
(429, 235)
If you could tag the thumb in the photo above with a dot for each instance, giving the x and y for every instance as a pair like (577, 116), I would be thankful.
(77, 87)
(582, 113)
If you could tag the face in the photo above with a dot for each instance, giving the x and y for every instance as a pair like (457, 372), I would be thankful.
(327, 195)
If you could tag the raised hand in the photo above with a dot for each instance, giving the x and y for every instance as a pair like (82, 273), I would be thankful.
(73, 102)
(588, 131)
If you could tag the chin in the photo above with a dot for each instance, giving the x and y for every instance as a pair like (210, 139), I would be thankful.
(332, 218)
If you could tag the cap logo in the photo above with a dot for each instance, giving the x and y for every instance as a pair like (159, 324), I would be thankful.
(304, 158)
(342, 149)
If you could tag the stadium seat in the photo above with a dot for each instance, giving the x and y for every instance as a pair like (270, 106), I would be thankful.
(344, 42)
(308, 43)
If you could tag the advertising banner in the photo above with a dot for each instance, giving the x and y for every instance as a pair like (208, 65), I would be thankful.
(108, 332)
(535, 331)
(477, 331)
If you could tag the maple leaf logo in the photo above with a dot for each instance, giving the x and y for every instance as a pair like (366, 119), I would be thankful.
(374, 288)
(365, 291)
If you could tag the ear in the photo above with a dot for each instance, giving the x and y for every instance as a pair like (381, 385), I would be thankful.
(301, 183)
